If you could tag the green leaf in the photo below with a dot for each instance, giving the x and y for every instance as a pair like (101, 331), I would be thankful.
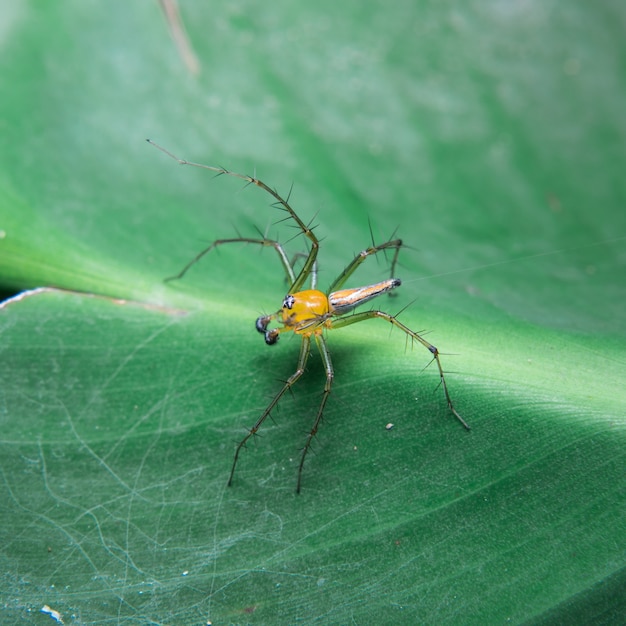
(491, 137)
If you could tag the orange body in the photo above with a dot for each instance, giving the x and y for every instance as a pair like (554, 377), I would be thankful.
(306, 312)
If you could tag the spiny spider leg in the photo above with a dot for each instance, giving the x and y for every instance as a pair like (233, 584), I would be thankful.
(306, 231)
(284, 259)
(302, 255)
(305, 350)
(365, 315)
(359, 258)
(328, 366)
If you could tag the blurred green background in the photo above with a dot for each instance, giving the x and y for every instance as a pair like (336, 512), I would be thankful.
(490, 136)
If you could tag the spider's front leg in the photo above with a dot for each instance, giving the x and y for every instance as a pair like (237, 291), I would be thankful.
(266, 243)
(296, 281)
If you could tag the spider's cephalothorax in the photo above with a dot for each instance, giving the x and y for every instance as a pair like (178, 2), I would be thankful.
(310, 312)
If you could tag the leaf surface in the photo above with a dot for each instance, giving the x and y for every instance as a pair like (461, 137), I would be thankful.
(490, 138)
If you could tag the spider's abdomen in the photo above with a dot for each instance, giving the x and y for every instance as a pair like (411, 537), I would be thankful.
(345, 300)
(306, 311)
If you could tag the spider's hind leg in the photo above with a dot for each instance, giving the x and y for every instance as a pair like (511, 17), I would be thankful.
(366, 315)
(394, 244)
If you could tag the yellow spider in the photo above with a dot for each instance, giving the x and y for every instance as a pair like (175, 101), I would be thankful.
(310, 312)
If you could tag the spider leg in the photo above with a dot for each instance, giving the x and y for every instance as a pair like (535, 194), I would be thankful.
(305, 349)
(284, 259)
(394, 244)
(304, 255)
(296, 285)
(366, 315)
(328, 366)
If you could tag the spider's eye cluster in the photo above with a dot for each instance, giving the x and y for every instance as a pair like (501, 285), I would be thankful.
(288, 302)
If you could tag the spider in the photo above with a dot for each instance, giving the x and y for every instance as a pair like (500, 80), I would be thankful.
(309, 313)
